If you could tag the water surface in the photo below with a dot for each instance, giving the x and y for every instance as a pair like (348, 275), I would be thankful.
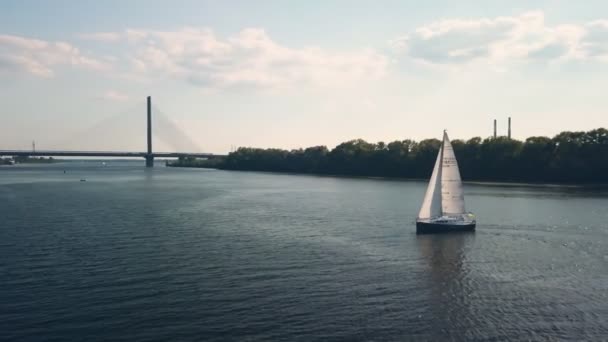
(190, 254)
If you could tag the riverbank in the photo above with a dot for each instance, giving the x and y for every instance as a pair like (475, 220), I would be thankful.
(487, 182)
(27, 160)
(214, 163)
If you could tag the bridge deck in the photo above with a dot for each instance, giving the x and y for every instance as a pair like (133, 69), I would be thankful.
(106, 154)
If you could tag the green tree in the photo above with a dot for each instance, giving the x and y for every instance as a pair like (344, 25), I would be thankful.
(567, 157)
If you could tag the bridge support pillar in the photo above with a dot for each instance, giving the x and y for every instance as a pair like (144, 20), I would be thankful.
(149, 161)
(149, 156)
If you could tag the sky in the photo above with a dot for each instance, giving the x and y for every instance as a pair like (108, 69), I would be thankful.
(74, 75)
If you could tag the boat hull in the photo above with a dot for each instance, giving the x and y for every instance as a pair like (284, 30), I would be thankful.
(437, 228)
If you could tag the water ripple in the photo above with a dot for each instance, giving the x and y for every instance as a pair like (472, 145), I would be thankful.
(175, 254)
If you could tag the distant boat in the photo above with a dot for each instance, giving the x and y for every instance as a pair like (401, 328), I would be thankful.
(443, 206)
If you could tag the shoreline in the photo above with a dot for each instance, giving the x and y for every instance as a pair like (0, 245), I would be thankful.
(389, 178)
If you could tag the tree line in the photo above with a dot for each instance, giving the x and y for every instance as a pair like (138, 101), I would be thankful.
(567, 157)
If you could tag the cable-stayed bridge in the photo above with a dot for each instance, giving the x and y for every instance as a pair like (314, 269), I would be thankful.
(148, 155)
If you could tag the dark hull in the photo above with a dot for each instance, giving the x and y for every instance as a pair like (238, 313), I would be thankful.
(436, 228)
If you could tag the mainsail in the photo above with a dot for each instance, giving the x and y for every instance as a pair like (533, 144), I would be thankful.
(452, 197)
(444, 195)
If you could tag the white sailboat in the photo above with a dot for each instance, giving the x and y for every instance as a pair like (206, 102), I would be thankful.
(443, 206)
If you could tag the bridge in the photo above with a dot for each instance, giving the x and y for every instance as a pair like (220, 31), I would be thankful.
(149, 155)
(42, 153)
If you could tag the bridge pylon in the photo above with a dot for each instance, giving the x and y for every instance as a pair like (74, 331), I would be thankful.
(149, 156)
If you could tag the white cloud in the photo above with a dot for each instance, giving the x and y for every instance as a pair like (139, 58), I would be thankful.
(502, 40)
(249, 58)
(595, 43)
(113, 95)
(101, 36)
(39, 57)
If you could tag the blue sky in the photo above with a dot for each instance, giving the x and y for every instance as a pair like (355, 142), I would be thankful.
(296, 74)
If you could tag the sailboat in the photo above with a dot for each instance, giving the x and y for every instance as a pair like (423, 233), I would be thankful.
(443, 206)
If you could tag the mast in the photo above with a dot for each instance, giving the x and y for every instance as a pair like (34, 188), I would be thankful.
(445, 134)
(441, 173)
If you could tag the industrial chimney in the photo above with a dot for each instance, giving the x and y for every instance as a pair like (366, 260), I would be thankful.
(509, 132)
(494, 128)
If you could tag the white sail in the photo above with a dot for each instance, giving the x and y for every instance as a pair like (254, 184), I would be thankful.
(431, 206)
(452, 196)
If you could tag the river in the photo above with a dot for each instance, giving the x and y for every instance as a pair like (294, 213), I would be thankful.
(205, 255)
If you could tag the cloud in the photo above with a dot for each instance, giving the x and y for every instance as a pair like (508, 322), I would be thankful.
(523, 38)
(249, 58)
(40, 57)
(113, 95)
(595, 43)
(101, 36)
